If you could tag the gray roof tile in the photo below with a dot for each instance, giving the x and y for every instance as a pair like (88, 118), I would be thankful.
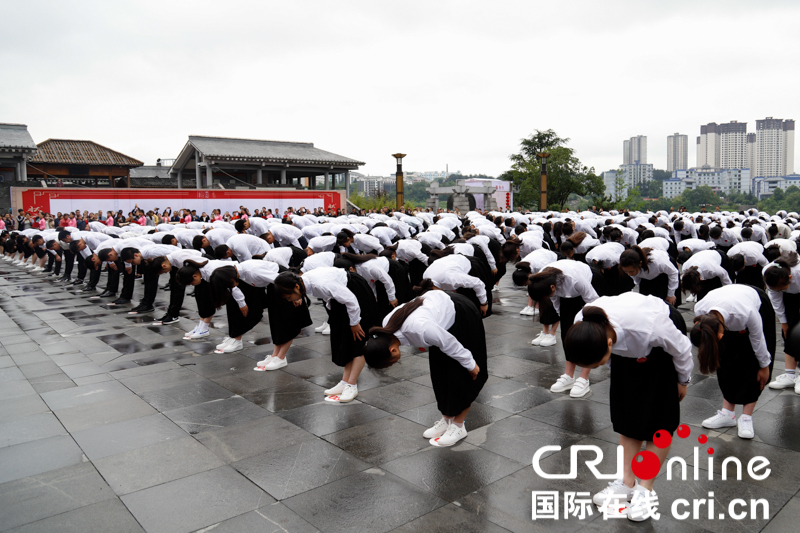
(270, 151)
(16, 136)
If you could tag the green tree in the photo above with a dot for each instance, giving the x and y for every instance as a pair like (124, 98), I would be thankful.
(566, 175)
(788, 200)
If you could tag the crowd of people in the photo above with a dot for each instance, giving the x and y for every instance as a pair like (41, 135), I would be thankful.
(610, 282)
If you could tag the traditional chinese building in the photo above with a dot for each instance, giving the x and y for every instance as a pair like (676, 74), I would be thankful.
(83, 163)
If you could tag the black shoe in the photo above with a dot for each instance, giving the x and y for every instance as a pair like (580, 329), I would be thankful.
(77, 282)
(88, 288)
(166, 288)
(166, 319)
(190, 294)
(106, 294)
(121, 301)
(47, 270)
(141, 309)
(62, 278)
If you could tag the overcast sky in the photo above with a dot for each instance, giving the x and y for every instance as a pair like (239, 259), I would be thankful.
(447, 82)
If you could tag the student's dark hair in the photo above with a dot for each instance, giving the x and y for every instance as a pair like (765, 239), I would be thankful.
(635, 257)
(647, 234)
(540, 283)
(747, 233)
(521, 273)
(167, 239)
(343, 236)
(376, 349)
(187, 271)
(777, 275)
(127, 253)
(568, 228)
(424, 286)
(567, 247)
(715, 232)
(221, 251)
(286, 281)
(49, 245)
(222, 280)
(547, 226)
(387, 252)
(614, 235)
(154, 265)
(703, 232)
(730, 224)
(103, 254)
(438, 254)
(519, 229)
(586, 341)
(684, 256)
(773, 230)
(737, 262)
(772, 252)
(678, 225)
(557, 229)
(197, 242)
(577, 237)
(239, 225)
(704, 336)
(691, 280)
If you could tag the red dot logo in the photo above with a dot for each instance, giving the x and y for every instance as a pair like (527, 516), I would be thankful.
(702, 439)
(662, 439)
(684, 431)
(711, 451)
(645, 465)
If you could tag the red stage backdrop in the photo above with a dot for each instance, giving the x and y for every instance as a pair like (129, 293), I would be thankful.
(65, 200)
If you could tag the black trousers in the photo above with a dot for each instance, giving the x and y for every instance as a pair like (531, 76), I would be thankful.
(81, 267)
(150, 287)
(176, 294)
(69, 259)
(128, 280)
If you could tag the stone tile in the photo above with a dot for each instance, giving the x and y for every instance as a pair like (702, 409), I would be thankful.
(786, 519)
(357, 503)
(398, 397)
(110, 411)
(37, 370)
(286, 397)
(63, 399)
(51, 383)
(450, 518)
(89, 380)
(313, 367)
(109, 515)
(153, 465)
(504, 366)
(572, 414)
(479, 415)
(152, 382)
(35, 457)
(518, 437)
(11, 374)
(69, 359)
(324, 418)
(34, 427)
(137, 370)
(296, 469)
(215, 414)
(119, 437)
(250, 381)
(513, 396)
(195, 502)
(381, 440)
(238, 442)
(6, 361)
(272, 517)
(184, 394)
(29, 357)
(219, 365)
(49, 494)
(369, 379)
(81, 370)
(15, 389)
(21, 406)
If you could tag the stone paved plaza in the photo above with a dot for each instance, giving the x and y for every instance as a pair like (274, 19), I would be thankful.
(110, 423)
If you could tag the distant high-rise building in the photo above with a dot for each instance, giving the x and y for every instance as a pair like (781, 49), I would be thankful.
(722, 145)
(708, 146)
(774, 152)
(677, 152)
(634, 151)
(635, 174)
(751, 153)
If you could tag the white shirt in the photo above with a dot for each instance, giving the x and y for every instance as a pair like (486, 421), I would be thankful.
(728, 238)
(776, 297)
(254, 272)
(655, 243)
(539, 259)
(739, 306)
(659, 263)
(321, 259)
(258, 226)
(752, 252)
(367, 243)
(452, 272)
(322, 243)
(433, 240)
(642, 323)
(330, 283)
(384, 235)
(695, 245)
(177, 257)
(286, 234)
(377, 270)
(531, 241)
(463, 248)
(708, 263)
(209, 268)
(427, 326)
(577, 281)
(608, 253)
(280, 256)
(409, 249)
(483, 242)
(219, 236)
(245, 246)
(157, 250)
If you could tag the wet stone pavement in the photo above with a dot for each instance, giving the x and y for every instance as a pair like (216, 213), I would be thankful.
(111, 423)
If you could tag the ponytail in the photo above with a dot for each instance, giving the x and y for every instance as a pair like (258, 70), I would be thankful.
(188, 270)
(586, 342)
(704, 336)
(222, 281)
(438, 254)
(635, 257)
(510, 250)
(577, 238)
(285, 283)
(424, 286)
(376, 349)
(539, 285)
(777, 275)
(691, 280)
(522, 274)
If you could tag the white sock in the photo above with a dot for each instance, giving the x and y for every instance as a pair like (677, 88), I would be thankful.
(745, 418)
(790, 373)
(461, 425)
(731, 414)
(201, 327)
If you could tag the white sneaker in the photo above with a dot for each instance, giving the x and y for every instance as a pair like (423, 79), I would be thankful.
(691, 298)
(336, 389)
(197, 335)
(535, 311)
(783, 382)
(261, 365)
(450, 437)
(348, 394)
(797, 387)
(224, 342)
(643, 502)
(548, 340)
(30, 266)
(538, 339)
(746, 430)
(719, 420)
(563, 384)
(527, 311)
(327, 330)
(496, 288)
(233, 346)
(276, 363)
(615, 492)
(438, 429)
(321, 328)
(580, 388)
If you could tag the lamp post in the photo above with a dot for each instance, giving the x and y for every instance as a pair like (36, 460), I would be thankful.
(543, 189)
(400, 200)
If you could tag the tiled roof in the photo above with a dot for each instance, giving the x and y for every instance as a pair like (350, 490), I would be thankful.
(15, 136)
(150, 171)
(81, 153)
(223, 148)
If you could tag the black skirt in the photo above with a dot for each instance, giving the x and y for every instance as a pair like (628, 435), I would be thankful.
(402, 285)
(738, 364)
(453, 386)
(644, 392)
(343, 347)
(658, 287)
(617, 282)
(255, 299)
(202, 295)
(548, 315)
(706, 286)
(571, 306)
(791, 305)
(752, 276)
(285, 320)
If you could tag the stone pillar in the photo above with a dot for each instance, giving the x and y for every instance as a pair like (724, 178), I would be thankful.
(432, 202)
(198, 179)
(347, 183)
(283, 176)
(259, 177)
(327, 181)
(312, 182)
(209, 176)
(180, 179)
(24, 170)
